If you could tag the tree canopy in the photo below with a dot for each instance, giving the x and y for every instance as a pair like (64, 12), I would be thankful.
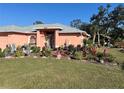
(38, 22)
(105, 22)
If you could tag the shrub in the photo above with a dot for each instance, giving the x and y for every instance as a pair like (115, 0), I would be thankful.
(100, 56)
(85, 42)
(84, 49)
(0, 50)
(26, 49)
(78, 47)
(92, 50)
(35, 49)
(78, 55)
(91, 57)
(1, 53)
(19, 52)
(89, 42)
(7, 51)
(110, 58)
(46, 52)
(122, 66)
(71, 49)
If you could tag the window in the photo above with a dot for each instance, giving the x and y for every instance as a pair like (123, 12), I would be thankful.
(33, 40)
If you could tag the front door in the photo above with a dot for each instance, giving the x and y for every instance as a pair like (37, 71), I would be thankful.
(50, 39)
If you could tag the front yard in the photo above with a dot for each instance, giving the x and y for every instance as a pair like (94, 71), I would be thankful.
(53, 73)
(119, 57)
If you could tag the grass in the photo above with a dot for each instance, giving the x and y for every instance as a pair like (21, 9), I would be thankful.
(52, 73)
(119, 56)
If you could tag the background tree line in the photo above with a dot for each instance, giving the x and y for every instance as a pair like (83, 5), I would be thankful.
(104, 24)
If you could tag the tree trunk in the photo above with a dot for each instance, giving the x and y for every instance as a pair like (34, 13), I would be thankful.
(94, 37)
(98, 38)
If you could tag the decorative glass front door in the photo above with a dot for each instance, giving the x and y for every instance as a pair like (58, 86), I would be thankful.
(50, 39)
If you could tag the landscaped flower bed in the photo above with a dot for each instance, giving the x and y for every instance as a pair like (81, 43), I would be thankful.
(70, 52)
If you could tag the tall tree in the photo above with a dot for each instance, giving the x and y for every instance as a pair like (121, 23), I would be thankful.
(116, 19)
(98, 22)
(76, 23)
(38, 22)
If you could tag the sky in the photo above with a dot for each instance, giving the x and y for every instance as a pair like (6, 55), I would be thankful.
(23, 14)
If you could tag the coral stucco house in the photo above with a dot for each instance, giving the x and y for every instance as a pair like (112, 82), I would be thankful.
(54, 35)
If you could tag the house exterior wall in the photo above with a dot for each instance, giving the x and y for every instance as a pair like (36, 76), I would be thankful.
(18, 39)
(68, 38)
(40, 39)
(3, 40)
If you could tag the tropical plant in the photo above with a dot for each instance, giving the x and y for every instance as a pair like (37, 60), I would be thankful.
(19, 52)
(1, 53)
(35, 49)
(110, 58)
(90, 57)
(78, 48)
(100, 55)
(45, 52)
(71, 49)
(7, 50)
(78, 55)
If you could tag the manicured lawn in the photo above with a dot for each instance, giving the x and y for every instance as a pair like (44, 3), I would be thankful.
(53, 73)
(119, 56)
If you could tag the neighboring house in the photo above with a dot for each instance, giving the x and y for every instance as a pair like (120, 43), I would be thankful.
(54, 35)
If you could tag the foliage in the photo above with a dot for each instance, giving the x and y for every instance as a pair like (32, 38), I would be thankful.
(110, 58)
(100, 56)
(118, 56)
(117, 22)
(76, 23)
(78, 48)
(1, 53)
(122, 66)
(45, 52)
(35, 49)
(7, 51)
(19, 52)
(85, 42)
(105, 22)
(89, 42)
(26, 49)
(38, 22)
(86, 27)
(98, 22)
(91, 57)
(92, 50)
(71, 49)
(78, 55)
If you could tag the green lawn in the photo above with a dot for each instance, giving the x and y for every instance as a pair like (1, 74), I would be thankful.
(53, 73)
(116, 53)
